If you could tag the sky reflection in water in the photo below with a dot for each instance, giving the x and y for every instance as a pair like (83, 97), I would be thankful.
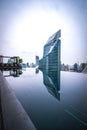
(48, 107)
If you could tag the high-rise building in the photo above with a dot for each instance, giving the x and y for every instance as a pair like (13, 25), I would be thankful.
(51, 54)
(1, 59)
(37, 60)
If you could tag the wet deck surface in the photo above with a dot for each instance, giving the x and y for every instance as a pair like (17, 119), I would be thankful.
(14, 115)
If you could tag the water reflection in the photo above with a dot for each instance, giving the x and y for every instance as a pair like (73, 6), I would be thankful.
(37, 71)
(51, 80)
(13, 72)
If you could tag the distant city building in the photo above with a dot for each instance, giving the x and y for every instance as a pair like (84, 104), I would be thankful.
(1, 59)
(85, 70)
(51, 54)
(82, 66)
(64, 67)
(37, 60)
(23, 65)
(14, 59)
(32, 65)
(10, 61)
(28, 64)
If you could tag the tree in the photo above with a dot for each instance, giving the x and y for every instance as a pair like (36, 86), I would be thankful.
(20, 60)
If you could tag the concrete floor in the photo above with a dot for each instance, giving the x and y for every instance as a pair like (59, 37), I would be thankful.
(14, 115)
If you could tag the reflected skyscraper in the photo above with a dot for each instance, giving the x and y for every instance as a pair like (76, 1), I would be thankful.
(36, 70)
(52, 83)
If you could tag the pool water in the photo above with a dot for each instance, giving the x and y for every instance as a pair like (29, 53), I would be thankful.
(53, 102)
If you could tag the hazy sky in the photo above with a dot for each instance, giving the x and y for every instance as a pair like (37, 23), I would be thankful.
(26, 25)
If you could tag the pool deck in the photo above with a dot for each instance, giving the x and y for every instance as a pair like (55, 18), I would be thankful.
(14, 115)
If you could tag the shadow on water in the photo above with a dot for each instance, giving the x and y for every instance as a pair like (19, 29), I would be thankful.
(51, 80)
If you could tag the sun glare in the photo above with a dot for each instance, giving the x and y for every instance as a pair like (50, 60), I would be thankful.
(32, 29)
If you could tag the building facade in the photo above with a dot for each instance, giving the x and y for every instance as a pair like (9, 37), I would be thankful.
(51, 54)
(1, 59)
(37, 60)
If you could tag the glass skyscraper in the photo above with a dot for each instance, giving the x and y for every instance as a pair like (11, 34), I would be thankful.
(51, 54)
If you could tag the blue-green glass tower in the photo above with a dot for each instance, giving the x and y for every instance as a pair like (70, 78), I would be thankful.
(51, 54)
(50, 63)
